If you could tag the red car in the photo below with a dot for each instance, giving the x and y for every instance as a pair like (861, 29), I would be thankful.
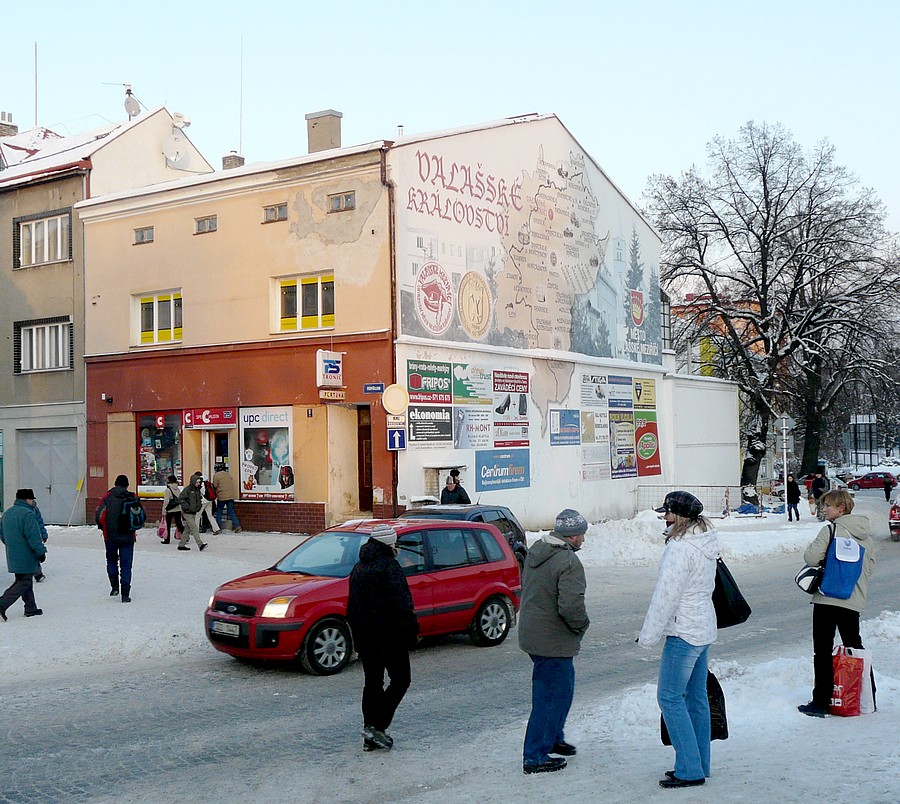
(463, 577)
(872, 480)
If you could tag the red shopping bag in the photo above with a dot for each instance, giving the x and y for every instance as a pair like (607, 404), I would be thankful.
(162, 531)
(848, 682)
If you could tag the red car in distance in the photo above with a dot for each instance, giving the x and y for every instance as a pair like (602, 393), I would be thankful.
(872, 480)
(463, 577)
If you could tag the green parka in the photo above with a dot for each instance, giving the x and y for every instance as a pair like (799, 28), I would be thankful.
(21, 533)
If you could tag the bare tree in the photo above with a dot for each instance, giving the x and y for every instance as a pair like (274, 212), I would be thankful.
(791, 265)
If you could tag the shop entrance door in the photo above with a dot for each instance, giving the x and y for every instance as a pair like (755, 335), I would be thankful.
(364, 456)
(220, 449)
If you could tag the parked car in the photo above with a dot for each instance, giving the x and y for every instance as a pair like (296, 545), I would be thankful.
(806, 480)
(463, 578)
(872, 480)
(498, 515)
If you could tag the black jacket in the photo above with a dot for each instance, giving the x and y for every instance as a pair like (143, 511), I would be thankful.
(113, 503)
(455, 497)
(380, 606)
(819, 486)
(793, 492)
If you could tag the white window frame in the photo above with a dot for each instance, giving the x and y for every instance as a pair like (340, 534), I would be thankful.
(43, 345)
(165, 309)
(289, 314)
(273, 213)
(143, 235)
(206, 225)
(342, 202)
(38, 245)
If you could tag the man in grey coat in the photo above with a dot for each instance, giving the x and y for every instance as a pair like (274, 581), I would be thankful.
(552, 620)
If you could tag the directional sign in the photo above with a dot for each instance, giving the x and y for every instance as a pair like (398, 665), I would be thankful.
(396, 439)
(785, 422)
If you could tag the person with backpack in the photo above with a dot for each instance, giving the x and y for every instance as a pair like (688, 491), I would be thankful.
(191, 506)
(119, 516)
(835, 613)
(172, 509)
(207, 497)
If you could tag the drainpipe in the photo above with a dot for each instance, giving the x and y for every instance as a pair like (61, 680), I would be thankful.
(392, 257)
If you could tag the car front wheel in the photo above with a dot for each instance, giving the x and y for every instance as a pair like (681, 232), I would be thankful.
(327, 648)
(854, 486)
(492, 623)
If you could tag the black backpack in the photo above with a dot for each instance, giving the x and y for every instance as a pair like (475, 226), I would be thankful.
(133, 515)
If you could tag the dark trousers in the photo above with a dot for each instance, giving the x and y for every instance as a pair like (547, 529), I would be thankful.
(118, 561)
(380, 703)
(793, 511)
(21, 587)
(887, 492)
(825, 620)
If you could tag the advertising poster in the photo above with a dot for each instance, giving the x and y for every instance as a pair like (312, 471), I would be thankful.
(430, 425)
(646, 437)
(565, 428)
(621, 393)
(644, 394)
(621, 444)
(472, 385)
(472, 428)
(595, 462)
(510, 400)
(593, 391)
(428, 382)
(267, 472)
(496, 470)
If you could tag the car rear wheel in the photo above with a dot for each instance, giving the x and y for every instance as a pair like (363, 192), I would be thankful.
(854, 486)
(327, 648)
(492, 622)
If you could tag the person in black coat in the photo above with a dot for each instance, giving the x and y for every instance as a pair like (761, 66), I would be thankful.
(119, 540)
(888, 487)
(454, 493)
(792, 497)
(383, 621)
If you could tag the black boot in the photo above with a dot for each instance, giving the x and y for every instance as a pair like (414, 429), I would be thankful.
(126, 593)
(114, 584)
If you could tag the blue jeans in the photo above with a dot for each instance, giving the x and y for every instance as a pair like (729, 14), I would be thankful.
(119, 555)
(552, 689)
(228, 507)
(682, 698)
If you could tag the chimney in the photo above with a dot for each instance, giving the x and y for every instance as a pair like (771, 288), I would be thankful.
(232, 160)
(323, 130)
(7, 127)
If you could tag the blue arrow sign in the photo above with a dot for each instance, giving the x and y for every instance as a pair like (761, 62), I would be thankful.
(396, 439)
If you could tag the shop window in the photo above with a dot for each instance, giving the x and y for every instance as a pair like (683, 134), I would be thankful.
(306, 303)
(159, 450)
(342, 202)
(275, 212)
(42, 238)
(206, 225)
(160, 318)
(42, 345)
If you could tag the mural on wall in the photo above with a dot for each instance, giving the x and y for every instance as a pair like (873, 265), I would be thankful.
(515, 238)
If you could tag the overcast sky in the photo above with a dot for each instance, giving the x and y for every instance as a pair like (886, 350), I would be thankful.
(642, 85)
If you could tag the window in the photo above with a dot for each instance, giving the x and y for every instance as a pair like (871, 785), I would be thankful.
(276, 212)
(160, 318)
(306, 303)
(42, 345)
(205, 225)
(143, 235)
(454, 548)
(411, 553)
(159, 449)
(665, 307)
(341, 202)
(42, 238)
(491, 547)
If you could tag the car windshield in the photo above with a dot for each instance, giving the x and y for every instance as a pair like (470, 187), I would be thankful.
(331, 554)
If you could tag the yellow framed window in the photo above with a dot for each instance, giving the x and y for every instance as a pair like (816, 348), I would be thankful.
(160, 318)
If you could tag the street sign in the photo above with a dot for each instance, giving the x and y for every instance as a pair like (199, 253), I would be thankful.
(784, 422)
(396, 439)
(373, 388)
(393, 422)
(784, 444)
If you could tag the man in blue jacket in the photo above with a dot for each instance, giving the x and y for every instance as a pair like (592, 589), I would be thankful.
(20, 532)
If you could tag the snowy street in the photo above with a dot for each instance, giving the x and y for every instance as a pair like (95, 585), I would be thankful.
(129, 703)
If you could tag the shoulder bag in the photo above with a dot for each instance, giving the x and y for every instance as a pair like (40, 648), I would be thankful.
(810, 578)
(730, 605)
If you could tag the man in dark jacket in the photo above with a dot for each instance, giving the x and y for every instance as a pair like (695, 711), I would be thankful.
(111, 517)
(191, 505)
(454, 493)
(818, 488)
(552, 620)
(383, 621)
(25, 552)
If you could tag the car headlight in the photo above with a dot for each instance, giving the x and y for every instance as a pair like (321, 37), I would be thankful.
(277, 607)
(212, 597)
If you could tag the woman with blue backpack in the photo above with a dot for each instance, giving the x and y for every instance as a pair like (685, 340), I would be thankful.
(844, 545)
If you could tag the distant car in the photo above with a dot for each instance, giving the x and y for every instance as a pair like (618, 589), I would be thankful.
(463, 578)
(498, 515)
(806, 480)
(872, 480)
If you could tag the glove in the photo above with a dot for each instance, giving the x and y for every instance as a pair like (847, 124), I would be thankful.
(42, 558)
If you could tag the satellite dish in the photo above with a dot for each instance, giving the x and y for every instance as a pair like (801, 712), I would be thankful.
(180, 120)
(174, 147)
(132, 107)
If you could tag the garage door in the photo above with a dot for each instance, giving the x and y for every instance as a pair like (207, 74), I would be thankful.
(48, 463)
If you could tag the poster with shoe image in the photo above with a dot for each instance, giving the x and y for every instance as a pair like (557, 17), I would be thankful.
(510, 400)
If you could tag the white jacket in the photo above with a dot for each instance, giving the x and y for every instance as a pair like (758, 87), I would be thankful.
(682, 601)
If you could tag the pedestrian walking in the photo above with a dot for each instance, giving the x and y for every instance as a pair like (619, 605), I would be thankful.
(226, 493)
(39, 576)
(191, 506)
(381, 616)
(25, 552)
(681, 610)
(888, 487)
(792, 497)
(830, 613)
(552, 621)
(119, 534)
(172, 509)
(206, 518)
(817, 488)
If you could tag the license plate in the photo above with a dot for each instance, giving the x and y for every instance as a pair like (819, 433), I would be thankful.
(229, 629)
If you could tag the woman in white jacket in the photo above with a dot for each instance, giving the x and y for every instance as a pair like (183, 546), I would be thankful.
(681, 610)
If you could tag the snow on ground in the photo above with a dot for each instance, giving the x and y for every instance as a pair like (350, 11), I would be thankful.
(773, 754)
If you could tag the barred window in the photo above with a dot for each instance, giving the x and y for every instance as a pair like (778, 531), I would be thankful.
(42, 345)
(42, 238)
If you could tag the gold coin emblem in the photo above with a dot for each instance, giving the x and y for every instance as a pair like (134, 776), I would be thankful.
(474, 305)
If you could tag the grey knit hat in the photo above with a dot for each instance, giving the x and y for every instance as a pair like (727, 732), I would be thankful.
(384, 534)
(570, 523)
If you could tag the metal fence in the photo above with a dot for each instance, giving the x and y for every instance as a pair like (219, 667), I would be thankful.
(715, 499)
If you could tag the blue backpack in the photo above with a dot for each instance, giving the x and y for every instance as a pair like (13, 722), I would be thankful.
(133, 515)
(843, 567)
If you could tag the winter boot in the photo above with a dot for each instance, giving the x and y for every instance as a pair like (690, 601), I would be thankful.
(126, 593)
(114, 584)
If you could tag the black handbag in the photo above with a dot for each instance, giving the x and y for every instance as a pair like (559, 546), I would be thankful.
(730, 605)
(718, 721)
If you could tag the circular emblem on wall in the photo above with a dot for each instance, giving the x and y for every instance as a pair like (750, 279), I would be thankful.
(434, 298)
(474, 305)
(646, 446)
